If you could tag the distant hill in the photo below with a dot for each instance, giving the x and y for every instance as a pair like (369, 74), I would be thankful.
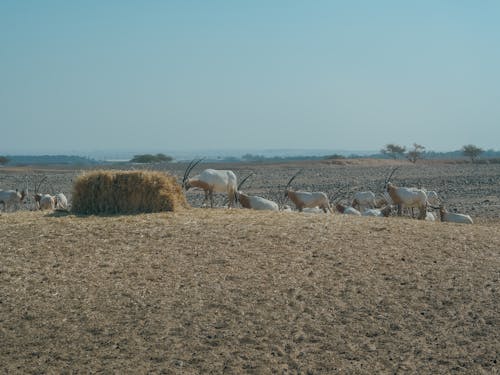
(19, 160)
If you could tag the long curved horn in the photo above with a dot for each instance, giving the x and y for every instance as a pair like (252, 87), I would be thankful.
(39, 184)
(293, 178)
(189, 168)
(243, 181)
(394, 169)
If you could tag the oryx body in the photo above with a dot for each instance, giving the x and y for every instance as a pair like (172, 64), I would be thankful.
(11, 197)
(210, 181)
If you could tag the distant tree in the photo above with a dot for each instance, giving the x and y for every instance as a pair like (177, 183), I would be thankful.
(334, 156)
(4, 160)
(149, 158)
(472, 152)
(415, 153)
(393, 150)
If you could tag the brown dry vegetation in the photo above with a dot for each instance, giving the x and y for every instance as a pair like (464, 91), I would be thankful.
(111, 192)
(233, 291)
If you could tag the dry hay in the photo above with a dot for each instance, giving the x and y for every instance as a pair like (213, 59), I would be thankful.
(205, 291)
(113, 192)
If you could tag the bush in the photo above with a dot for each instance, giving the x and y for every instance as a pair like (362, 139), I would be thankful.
(148, 158)
(114, 192)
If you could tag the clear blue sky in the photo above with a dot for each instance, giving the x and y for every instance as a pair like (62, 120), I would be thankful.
(158, 75)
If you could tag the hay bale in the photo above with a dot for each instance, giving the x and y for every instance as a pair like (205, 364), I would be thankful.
(113, 192)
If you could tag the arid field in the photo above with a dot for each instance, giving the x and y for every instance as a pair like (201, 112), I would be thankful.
(203, 291)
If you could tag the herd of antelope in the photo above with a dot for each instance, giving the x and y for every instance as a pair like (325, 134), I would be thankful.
(212, 181)
(10, 199)
(364, 203)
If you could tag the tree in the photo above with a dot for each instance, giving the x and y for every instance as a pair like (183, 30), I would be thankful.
(472, 152)
(393, 150)
(148, 158)
(4, 160)
(415, 153)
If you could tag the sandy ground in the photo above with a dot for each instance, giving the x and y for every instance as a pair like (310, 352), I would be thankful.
(233, 291)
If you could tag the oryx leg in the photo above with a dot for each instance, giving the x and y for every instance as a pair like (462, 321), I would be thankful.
(211, 194)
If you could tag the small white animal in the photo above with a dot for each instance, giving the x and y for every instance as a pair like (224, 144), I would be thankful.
(378, 212)
(429, 216)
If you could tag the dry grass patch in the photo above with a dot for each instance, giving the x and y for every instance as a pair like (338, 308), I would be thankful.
(112, 192)
(236, 291)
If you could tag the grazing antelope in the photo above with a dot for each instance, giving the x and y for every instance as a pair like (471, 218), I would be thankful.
(11, 197)
(305, 199)
(45, 201)
(453, 217)
(254, 202)
(211, 180)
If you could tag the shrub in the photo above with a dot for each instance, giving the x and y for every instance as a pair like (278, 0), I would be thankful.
(113, 192)
(148, 158)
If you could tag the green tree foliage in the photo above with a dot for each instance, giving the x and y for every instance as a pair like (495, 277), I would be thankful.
(415, 153)
(4, 160)
(472, 152)
(393, 150)
(149, 158)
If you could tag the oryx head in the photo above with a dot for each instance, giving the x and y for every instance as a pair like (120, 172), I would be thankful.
(388, 178)
(287, 187)
(237, 192)
(185, 179)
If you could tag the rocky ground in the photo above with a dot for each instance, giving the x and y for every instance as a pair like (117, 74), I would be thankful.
(467, 188)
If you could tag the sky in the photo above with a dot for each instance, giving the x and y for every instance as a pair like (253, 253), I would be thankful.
(155, 76)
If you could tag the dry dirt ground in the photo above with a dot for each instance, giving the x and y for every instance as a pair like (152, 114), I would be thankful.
(234, 291)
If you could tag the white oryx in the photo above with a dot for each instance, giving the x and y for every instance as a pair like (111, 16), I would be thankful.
(254, 202)
(347, 210)
(407, 197)
(363, 200)
(61, 202)
(453, 217)
(305, 199)
(11, 197)
(378, 212)
(45, 201)
(212, 180)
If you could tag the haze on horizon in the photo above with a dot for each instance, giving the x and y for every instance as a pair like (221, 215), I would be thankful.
(187, 75)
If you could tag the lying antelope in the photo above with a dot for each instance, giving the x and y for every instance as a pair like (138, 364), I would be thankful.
(254, 202)
(347, 210)
(210, 181)
(378, 212)
(305, 199)
(45, 201)
(453, 217)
